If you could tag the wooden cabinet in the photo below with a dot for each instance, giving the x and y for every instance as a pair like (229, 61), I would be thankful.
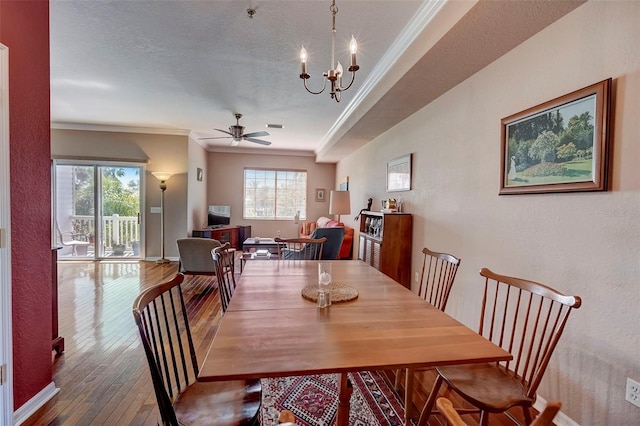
(385, 244)
(226, 234)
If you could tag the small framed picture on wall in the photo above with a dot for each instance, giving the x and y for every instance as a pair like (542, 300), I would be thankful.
(199, 174)
(320, 194)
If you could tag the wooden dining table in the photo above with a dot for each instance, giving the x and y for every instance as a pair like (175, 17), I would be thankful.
(270, 330)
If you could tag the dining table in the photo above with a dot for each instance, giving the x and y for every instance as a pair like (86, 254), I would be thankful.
(271, 330)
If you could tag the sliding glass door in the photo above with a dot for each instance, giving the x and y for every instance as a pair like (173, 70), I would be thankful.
(97, 210)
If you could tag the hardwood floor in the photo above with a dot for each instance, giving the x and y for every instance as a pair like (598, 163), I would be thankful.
(103, 375)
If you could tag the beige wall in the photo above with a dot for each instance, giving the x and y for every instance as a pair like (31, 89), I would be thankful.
(197, 190)
(225, 177)
(160, 153)
(585, 243)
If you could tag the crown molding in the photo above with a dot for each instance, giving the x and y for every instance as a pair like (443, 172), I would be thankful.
(414, 28)
(60, 125)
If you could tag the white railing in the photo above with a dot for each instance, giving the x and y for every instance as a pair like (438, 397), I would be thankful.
(116, 230)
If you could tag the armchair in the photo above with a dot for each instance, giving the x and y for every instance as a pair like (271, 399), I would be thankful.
(306, 229)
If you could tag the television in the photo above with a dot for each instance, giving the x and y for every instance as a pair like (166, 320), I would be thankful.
(218, 216)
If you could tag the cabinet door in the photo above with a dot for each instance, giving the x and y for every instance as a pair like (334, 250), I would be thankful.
(361, 246)
(375, 254)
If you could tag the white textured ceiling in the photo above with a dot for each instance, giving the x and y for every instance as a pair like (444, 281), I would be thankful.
(186, 66)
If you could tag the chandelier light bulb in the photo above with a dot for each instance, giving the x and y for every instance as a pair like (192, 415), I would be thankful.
(353, 45)
(339, 72)
(303, 61)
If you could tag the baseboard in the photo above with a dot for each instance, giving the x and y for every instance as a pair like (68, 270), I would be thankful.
(23, 413)
(561, 419)
(155, 258)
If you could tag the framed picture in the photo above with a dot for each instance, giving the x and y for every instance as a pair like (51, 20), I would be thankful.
(320, 194)
(399, 174)
(559, 146)
(344, 184)
(199, 174)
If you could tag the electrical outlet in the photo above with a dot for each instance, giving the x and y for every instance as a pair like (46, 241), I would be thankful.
(633, 392)
(417, 277)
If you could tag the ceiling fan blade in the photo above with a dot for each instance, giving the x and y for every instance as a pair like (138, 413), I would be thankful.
(256, 134)
(217, 137)
(260, 141)
(224, 131)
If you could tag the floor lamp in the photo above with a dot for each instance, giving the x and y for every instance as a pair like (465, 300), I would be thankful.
(163, 178)
(339, 203)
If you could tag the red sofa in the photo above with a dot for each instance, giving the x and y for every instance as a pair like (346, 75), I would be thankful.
(306, 229)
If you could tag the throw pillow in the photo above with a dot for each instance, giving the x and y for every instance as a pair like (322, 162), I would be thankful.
(322, 221)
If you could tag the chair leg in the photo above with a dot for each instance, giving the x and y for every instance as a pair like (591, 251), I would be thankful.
(527, 415)
(484, 418)
(428, 407)
(396, 382)
(408, 395)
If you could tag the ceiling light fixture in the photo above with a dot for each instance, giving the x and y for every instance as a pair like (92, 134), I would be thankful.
(334, 75)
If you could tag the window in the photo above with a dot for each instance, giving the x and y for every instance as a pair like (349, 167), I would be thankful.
(274, 194)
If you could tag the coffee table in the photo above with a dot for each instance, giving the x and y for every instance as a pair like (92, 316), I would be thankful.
(260, 244)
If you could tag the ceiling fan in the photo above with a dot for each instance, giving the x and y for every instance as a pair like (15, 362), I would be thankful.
(236, 133)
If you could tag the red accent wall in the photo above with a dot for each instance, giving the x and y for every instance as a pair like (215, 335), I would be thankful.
(24, 28)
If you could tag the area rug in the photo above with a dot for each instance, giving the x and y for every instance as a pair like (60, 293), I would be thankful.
(314, 400)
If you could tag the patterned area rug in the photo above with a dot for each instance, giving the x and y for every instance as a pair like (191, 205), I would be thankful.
(314, 400)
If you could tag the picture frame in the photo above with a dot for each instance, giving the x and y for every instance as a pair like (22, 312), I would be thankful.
(399, 174)
(561, 145)
(320, 194)
(199, 174)
(344, 184)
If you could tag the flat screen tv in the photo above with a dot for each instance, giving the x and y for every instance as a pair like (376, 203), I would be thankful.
(219, 216)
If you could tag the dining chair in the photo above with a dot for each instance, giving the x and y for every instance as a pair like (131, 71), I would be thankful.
(223, 259)
(162, 321)
(545, 418)
(523, 317)
(300, 248)
(195, 256)
(436, 280)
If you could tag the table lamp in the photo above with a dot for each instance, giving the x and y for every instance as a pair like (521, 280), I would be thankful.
(339, 203)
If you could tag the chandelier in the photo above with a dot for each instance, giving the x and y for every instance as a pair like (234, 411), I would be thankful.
(334, 75)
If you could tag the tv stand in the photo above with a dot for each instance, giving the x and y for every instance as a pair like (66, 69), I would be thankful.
(233, 235)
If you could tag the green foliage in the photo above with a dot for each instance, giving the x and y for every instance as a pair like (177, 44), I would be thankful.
(116, 197)
(566, 152)
(579, 131)
(545, 169)
(544, 147)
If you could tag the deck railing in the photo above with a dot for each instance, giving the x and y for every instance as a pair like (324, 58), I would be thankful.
(117, 231)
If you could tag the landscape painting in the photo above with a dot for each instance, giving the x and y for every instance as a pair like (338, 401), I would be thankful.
(559, 146)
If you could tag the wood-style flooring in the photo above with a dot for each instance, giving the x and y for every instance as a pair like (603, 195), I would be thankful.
(103, 375)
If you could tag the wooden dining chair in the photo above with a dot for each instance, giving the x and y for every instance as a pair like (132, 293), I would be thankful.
(162, 321)
(523, 317)
(300, 248)
(453, 418)
(436, 280)
(224, 261)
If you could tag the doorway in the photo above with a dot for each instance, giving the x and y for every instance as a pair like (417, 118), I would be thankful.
(97, 210)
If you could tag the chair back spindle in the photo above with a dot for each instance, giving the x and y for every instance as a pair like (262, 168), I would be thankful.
(525, 318)
(300, 248)
(163, 324)
(224, 261)
(437, 277)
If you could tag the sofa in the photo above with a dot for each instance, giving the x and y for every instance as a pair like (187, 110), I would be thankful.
(306, 229)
